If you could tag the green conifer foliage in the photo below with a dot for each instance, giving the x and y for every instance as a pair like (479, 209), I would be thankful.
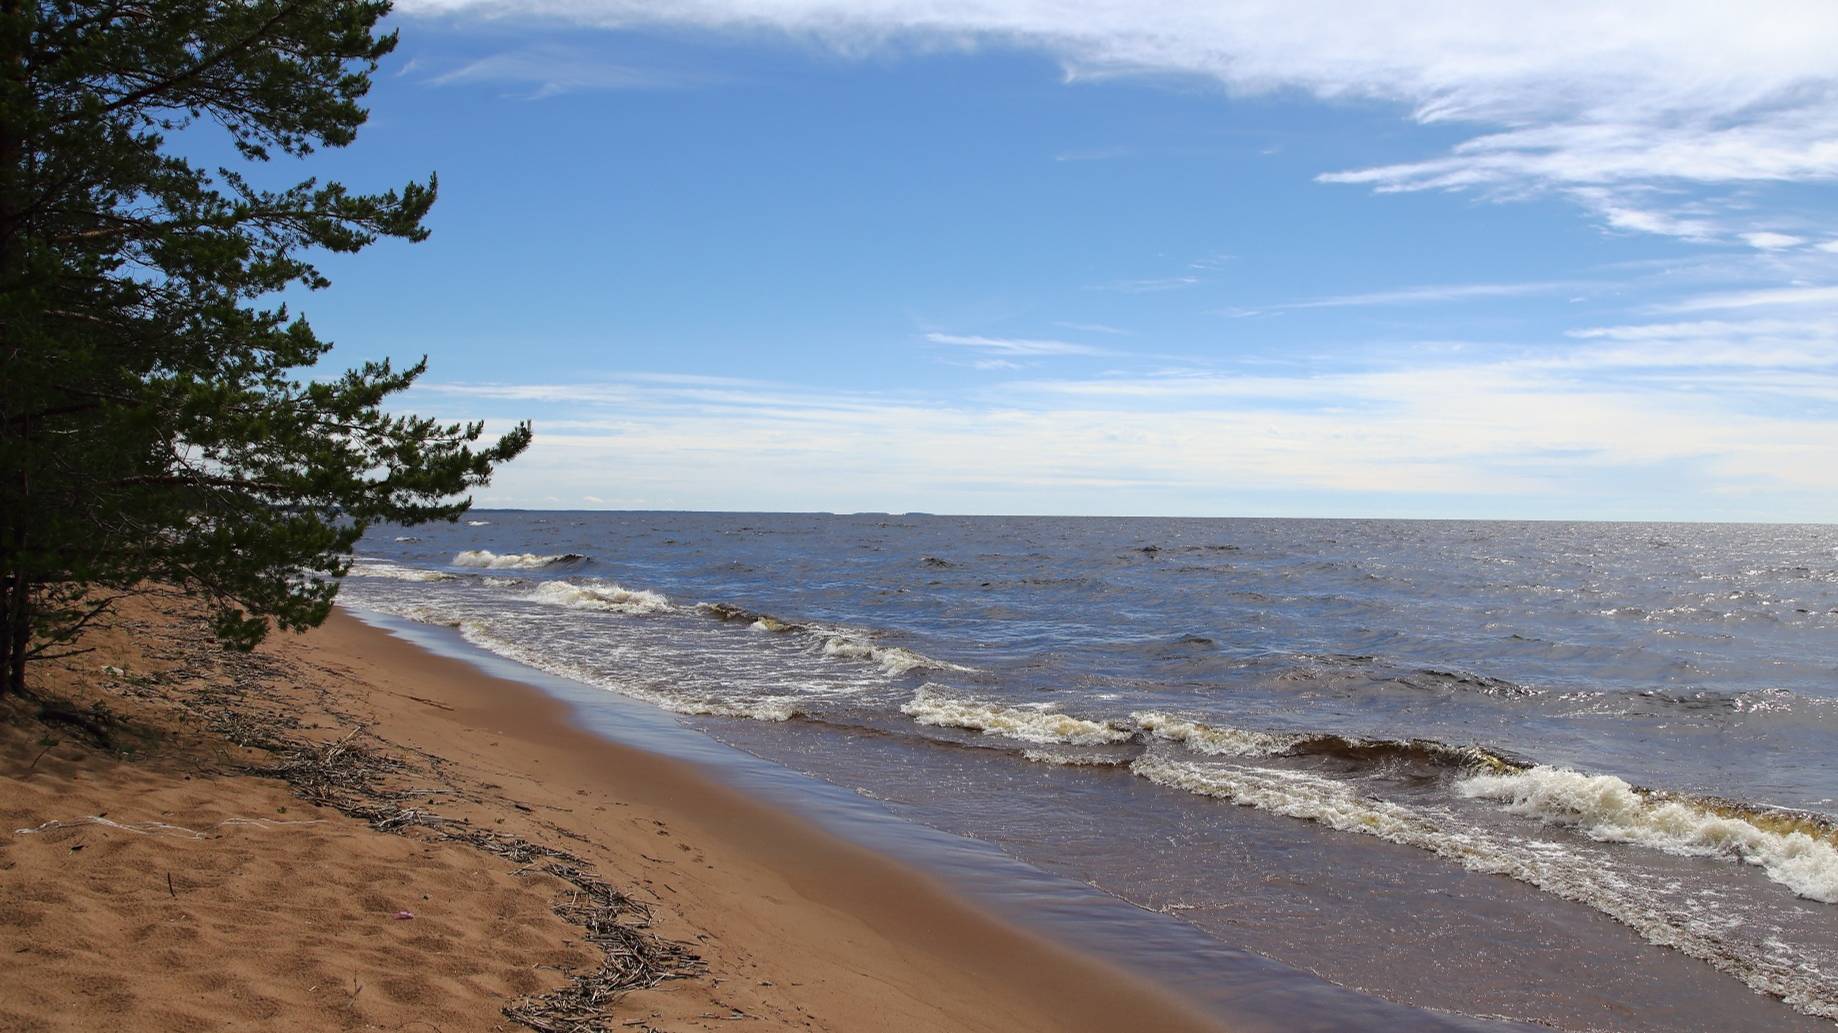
(157, 428)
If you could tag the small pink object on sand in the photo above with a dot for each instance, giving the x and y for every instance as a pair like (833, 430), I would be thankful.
(402, 916)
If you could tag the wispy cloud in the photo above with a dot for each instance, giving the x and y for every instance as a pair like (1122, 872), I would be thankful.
(1155, 285)
(1632, 211)
(1764, 298)
(1768, 240)
(1096, 328)
(551, 70)
(1439, 293)
(1735, 409)
(1015, 345)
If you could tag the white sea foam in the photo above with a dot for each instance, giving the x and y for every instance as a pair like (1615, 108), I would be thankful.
(1542, 863)
(768, 708)
(520, 560)
(603, 595)
(1035, 723)
(377, 568)
(482, 634)
(1608, 809)
(1213, 739)
(478, 523)
(1296, 794)
(1075, 760)
(895, 660)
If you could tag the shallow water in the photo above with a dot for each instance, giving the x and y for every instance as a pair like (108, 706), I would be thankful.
(1483, 767)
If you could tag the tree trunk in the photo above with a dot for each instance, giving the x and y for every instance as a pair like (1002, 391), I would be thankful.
(18, 632)
(16, 618)
(6, 641)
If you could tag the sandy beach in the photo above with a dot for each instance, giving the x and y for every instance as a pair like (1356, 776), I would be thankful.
(424, 866)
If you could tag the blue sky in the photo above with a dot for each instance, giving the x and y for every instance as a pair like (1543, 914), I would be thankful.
(1092, 257)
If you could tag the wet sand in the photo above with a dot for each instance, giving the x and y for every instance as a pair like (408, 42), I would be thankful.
(162, 886)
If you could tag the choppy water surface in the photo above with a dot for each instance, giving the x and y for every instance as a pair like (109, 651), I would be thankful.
(1550, 771)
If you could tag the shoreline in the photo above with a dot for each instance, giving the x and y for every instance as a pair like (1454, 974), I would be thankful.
(832, 892)
(1244, 990)
(797, 928)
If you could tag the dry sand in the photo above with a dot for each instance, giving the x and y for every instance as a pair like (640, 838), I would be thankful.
(173, 890)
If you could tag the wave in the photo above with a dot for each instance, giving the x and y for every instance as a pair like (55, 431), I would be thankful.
(377, 568)
(521, 561)
(1227, 742)
(1438, 680)
(1027, 723)
(1547, 865)
(834, 642)
(1297, 794)
(1798, 851)
(603, 595)
(478, 523)
(757, 621)
(1360, 672)
(894, 660)
(481, 633)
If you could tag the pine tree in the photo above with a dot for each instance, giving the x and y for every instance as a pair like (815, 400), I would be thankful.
(157, 431)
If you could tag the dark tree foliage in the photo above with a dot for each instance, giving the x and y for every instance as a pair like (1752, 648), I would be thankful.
(156, 431)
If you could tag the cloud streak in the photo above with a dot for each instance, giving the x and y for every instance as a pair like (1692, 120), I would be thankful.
(553, 70)
(1021, 346)
(1439, 293)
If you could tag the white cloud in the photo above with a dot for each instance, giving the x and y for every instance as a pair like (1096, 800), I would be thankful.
(1741, 409)
(1015, 345)
(1097, 328)
(1713, 329)
(1771, 297)
(1149, 286)
(1768, 240)
(1568, 94)
(553, 70)
(1625, 210)
(1438, 293)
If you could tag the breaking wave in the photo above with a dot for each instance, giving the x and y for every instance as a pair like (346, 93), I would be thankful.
(1028, 723)
(1037, 724)
(1798, 851)
(895, 660)
(603, 595)
(1227, 742)
(520, 561)
(834, 642)
(1541, 863)
(377, 568)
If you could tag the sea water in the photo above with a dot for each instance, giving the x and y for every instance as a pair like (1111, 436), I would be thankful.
(1581, 774)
